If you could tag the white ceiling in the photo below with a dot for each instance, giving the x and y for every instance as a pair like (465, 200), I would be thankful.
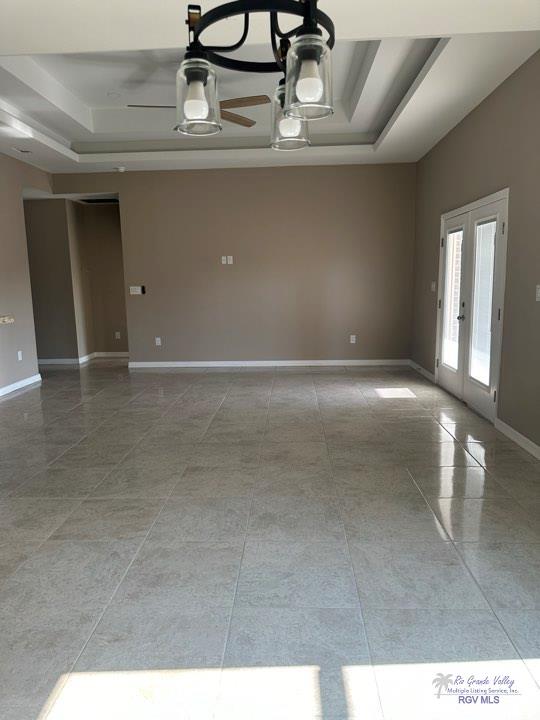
(402, 80)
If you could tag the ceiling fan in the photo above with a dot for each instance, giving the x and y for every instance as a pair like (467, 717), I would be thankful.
(224, 105)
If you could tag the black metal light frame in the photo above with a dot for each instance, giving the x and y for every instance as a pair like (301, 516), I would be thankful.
(312, 20)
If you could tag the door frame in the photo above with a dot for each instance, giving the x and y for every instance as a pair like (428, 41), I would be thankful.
(500, 277)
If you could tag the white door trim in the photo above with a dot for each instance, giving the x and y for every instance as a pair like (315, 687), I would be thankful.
(503, 194)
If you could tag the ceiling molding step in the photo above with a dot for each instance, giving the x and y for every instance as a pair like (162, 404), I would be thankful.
(29, 72)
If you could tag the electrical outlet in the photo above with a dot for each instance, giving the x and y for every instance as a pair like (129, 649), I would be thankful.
(433, 286)
(223, 259)
(117, 335)
(230, 260)
(352, 339)
(158, 341)
(19, 355)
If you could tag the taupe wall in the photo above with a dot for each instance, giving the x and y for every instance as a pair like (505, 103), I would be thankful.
(50, 273)
(496, 146)
(80, 277)
(319, 253)
(103, 252)
(77, 278)
(15, 294)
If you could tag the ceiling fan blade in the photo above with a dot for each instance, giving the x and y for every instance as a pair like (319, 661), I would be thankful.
(167, 107)
(244, 102)
(237, 119)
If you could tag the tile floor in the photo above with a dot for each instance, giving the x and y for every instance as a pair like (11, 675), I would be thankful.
(279, 544)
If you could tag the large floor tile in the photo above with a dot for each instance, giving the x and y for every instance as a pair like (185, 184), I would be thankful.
(404, 574)
(204, 482)
(411, 649)
(32, 518)
(523, 627)
(376, 517)
(194, 575)
(297, 665)
(509, 574)
(457, 482)
(59, 482)
(293, 574)
(499, 519)
(282, 518)
(203, 519)
(112, 518)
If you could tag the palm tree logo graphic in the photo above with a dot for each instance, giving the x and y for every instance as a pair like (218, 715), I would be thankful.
(441, 682)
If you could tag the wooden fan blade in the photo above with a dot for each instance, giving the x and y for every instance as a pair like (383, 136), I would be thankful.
(237, 119)
(244, 102)
(171, 107)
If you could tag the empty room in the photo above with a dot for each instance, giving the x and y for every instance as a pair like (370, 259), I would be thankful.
(270, 360)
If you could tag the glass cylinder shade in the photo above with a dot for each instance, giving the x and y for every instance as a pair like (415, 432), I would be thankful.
(287, 133)
(197, 105)
(308, 90)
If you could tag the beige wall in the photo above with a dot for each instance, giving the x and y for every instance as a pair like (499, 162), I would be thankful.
(319, 253)
(50, 273)
(496, 146)
(103, 252)
(15, 294)
(80, 277)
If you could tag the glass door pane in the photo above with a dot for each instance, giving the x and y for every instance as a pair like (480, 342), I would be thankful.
(484, 257)
(451, 304)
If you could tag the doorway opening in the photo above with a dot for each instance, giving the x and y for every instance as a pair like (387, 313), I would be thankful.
(472, 271)
(77, 277)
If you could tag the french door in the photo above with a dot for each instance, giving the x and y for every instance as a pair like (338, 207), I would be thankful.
(471, 294)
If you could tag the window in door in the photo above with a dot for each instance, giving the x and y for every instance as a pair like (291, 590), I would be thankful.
(452, 285)
(484, 259)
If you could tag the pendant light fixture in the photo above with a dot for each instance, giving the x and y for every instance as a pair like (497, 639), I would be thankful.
(308, 93)
(288, 133)
(197, 106)
(305, 95)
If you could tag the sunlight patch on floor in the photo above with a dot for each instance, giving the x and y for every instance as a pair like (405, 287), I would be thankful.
(394, 393)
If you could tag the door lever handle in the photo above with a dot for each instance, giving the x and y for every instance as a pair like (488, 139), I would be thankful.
(460, 317)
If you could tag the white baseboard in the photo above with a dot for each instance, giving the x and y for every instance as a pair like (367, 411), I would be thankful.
(81, 360)
(58, 361)
(524, 442)
(110, 355)
(428, 375)
(32, 380)
(264, 363)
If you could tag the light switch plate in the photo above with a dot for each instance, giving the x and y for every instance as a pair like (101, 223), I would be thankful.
(230, 260)
(158, 341)
(19, 355)
(135, 290)
(433, 286)
(223, 259)
(117, 335)
(6, 319)
(352, 339)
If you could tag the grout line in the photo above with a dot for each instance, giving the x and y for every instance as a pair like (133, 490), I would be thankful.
(66, 676)
(360, 609)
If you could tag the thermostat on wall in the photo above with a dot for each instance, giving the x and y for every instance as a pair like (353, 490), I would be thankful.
(137, 289)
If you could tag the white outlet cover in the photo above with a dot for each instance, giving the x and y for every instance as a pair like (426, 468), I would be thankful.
(433, 286)
(117, 335)
(352, 339)
(223, 259)
(230, 260)
(19, 355)
(158, 341)
(135, 289)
